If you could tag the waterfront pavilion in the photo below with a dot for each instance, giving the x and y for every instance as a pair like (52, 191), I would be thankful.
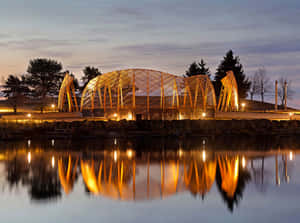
(148, 94)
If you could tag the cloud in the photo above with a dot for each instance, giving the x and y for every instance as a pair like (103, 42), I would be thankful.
(34, 44)
(129, 11)
(215, 48)
(4, 36)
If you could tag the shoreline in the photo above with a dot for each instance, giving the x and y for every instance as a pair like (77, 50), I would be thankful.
(154, 128)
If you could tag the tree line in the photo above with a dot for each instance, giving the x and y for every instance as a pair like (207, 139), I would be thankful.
(42, 80)
(259, 84)
(44, 77)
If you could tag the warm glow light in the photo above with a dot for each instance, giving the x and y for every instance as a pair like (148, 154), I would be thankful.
(129, 153)
(29, 157)
(291, 156)
(28, 115)
(203, 114)
(243, 162)
(29, 142)
(115, 155)
(180, 153)
(52, 142)
(115, 115)
(53, 106)
(129, 116)
(203, 155)
(291, 114)
(243, 105)
(115, 141)
(53, 162)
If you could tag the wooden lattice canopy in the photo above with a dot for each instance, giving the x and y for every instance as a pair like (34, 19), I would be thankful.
(143, 91)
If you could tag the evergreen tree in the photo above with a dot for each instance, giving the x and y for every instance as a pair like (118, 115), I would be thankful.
(15, 90)
(89, 74)
(197, 68)
(231, 62)
(203, 68)
(44, 78)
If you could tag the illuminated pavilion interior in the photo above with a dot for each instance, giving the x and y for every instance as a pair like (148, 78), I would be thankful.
(149, 94)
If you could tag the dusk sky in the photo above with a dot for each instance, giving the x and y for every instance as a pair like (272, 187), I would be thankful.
(165, 35)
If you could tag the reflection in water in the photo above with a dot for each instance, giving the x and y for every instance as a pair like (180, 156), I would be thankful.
(130, 176)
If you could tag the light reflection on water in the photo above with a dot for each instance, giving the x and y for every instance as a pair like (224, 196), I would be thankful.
(179, 177)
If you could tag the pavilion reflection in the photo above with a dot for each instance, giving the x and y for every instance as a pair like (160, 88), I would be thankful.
(67, 175)
(152, 177)
(126, 175)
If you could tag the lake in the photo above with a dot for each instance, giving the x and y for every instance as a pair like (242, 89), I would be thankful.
(150, 180)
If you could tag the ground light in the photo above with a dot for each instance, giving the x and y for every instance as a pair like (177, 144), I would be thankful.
(115, 156)
(243, 162)
(203, 155)
(243, 106)
(129, 153)
(52, 161)
(129, 116)
(180, 152)
(29, 157)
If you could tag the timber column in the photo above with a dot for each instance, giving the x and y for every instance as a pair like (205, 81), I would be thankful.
(276, 94)
(285, 95)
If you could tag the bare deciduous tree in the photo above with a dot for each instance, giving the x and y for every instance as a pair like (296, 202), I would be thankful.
(254, 87)
(264, 84)
(281, 90)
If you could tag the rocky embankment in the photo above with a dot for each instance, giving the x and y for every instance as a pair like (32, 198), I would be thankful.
(178, 128)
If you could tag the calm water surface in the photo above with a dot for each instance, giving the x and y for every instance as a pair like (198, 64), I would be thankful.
(120, 182)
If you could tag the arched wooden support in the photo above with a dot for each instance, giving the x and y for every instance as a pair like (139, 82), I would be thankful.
(67, 90)
(228, 99)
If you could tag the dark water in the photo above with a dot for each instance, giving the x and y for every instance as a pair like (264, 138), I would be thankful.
(150, 181)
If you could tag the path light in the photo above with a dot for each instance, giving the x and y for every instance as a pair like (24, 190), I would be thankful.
(129, 116)
(53, 162)
(129, 153)
(291, 156)
(29, 157)
(115, 156)
(203, 155)
(180, 152)
(243, 106)
(53, 107)
(243, 162)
